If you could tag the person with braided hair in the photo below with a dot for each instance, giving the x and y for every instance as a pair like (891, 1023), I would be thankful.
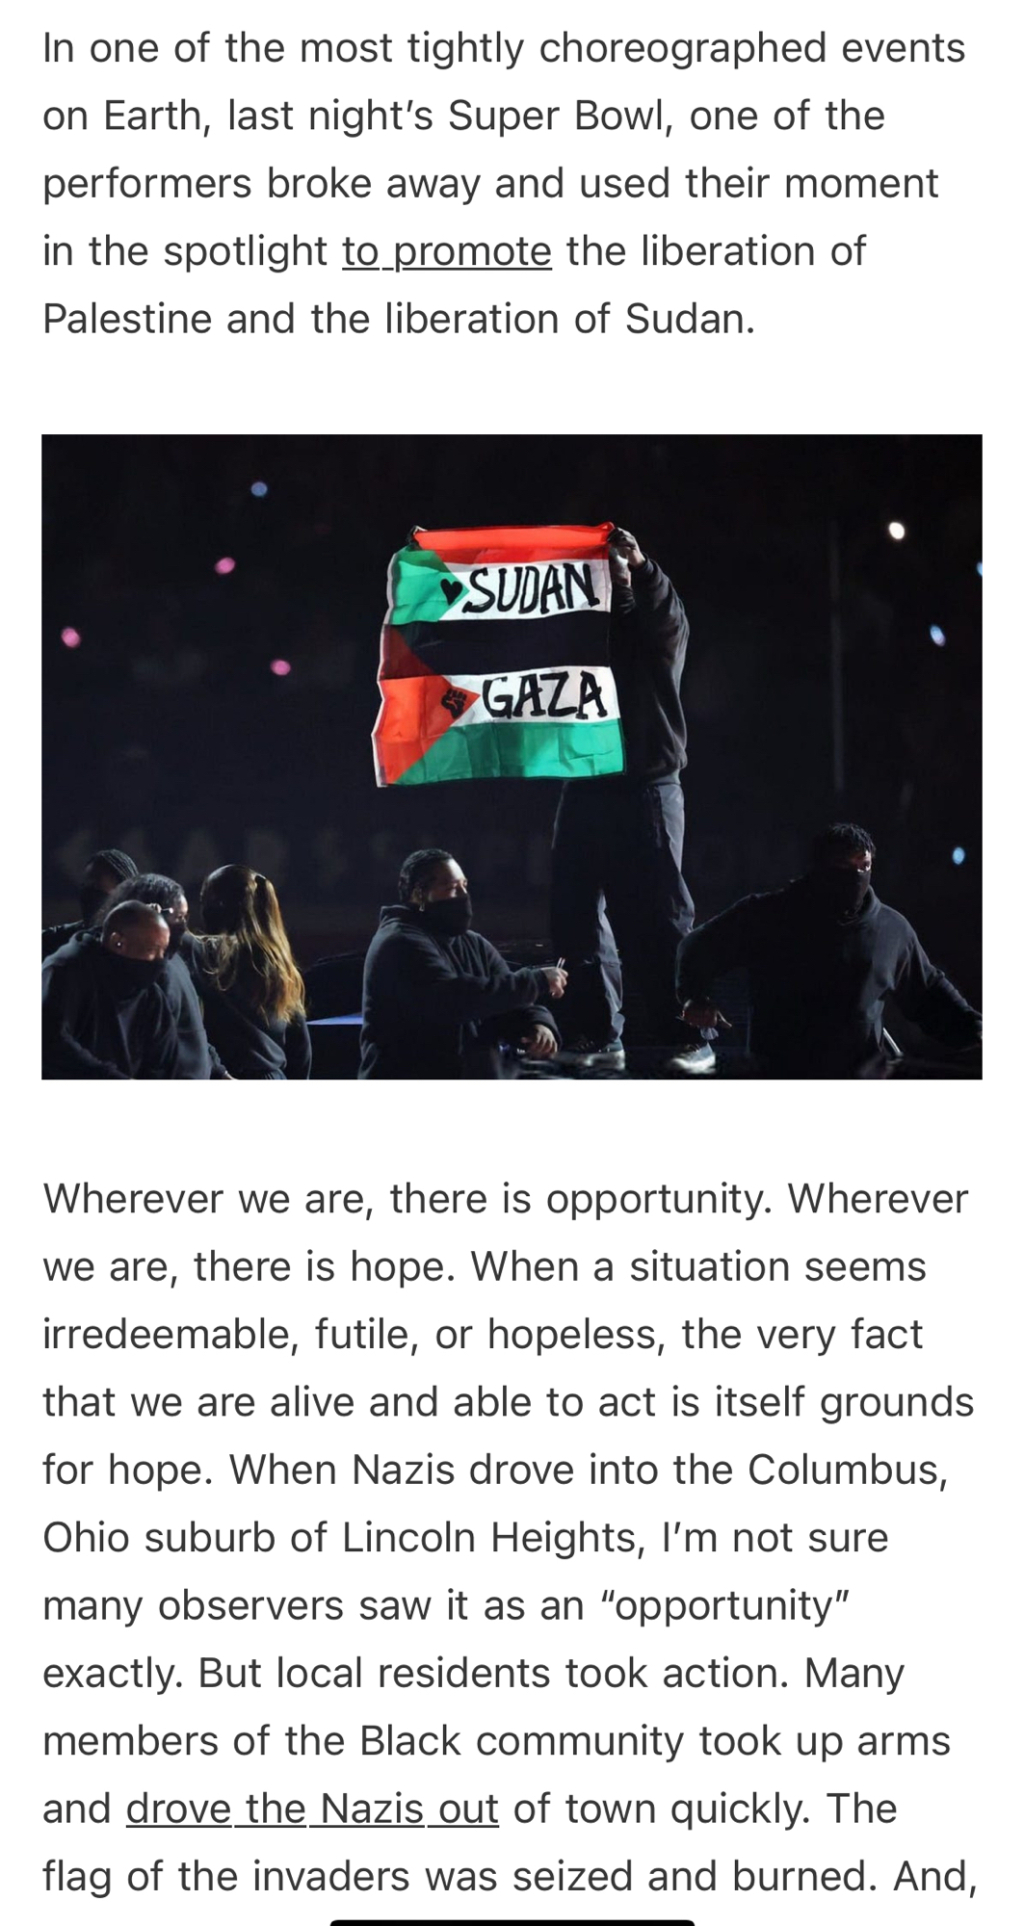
(103, 872)
(254, 1001)
(439, 1001)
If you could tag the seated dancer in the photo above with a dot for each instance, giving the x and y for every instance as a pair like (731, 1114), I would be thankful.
(438, 1000)
(197, 1058)
(101, 876)
(106, 1009)
(822, 955)
(253, 996)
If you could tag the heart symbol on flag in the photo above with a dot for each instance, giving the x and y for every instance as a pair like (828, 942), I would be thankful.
(452, 591)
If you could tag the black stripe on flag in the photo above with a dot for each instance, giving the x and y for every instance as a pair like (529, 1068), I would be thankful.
(508, 648)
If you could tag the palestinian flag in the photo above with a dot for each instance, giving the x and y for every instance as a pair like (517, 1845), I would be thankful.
(494, 657)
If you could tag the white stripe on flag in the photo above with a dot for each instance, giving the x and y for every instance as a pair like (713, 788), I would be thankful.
(529, 591)
(541, 695)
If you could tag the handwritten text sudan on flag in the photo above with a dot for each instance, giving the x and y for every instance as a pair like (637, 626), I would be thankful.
(495, 657)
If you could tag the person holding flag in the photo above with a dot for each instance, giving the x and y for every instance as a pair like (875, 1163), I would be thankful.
(618, 896)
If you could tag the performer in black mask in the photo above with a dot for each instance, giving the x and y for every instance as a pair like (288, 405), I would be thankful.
(107, 1014)
(197, 1058)
(822, 955)
(102, 874)
(438, 1000)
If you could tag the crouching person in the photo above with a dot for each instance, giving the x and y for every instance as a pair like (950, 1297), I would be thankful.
(438, 1000)
(197, 1057)
(107, 1010)
(823, 956)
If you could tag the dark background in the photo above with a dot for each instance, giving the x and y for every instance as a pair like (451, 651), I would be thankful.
(166, 733)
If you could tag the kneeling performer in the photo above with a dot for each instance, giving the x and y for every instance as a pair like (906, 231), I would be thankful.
(439, 1000)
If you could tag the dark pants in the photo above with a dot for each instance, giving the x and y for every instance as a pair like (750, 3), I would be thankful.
(618, 893)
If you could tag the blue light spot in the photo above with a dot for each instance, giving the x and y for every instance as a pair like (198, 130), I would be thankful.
(978, 567)
(959, 856)
(938, 636)
(259, 489)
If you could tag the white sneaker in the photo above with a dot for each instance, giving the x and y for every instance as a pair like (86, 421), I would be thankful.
(593, 1056)
(698, 1062)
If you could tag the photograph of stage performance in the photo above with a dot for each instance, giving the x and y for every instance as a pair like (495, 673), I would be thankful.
(537, 757)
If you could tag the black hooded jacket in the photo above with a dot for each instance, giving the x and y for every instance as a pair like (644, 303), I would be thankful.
(433, 1005)
(250, 1046)
(100, 1022)
(649, 634)
(818, 983)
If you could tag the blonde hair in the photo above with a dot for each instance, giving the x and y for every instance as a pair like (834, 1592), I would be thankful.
(247, 947)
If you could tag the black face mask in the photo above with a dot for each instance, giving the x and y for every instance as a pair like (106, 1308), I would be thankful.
(449, 916)
(176, 938)
(91, 901)
(128, 973)
(840, 891)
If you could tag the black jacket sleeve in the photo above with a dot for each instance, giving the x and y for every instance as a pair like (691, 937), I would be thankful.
(714, 948)
(931, 1001)
(63, 1055)
(429, 987)
(658, 618)
(161, 1059)
(56, 936)
(298, 1052)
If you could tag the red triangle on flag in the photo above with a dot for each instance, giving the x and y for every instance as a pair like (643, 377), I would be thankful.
(416, 710)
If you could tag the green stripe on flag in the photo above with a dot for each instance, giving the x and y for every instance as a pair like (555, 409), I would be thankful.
(520, 749)
(416, 591)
